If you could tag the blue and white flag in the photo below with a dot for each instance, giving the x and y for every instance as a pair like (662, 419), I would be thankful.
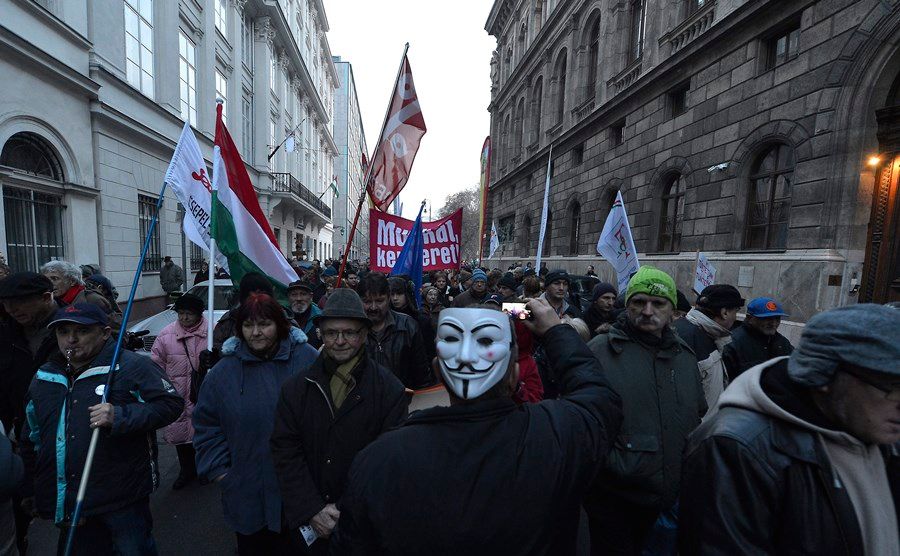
(495, 240)
(409, 261)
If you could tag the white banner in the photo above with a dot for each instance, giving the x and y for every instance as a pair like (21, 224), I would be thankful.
(187, 177)
(495, 240)
(705, 274)
(616, 244)
(540, 247)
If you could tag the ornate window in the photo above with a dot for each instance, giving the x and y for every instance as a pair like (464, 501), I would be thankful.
(222, 93)
(518, 126)
(247, 42)
(769, 203)
(671, 216)
(560, 80)
(575, 227)
(636, 30)
(31, 154)
(221, 16)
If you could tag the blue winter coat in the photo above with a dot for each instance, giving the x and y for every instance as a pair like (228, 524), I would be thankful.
(233, 421)
(57, 433)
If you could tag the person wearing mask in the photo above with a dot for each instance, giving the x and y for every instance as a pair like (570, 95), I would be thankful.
(707, 330)
(177, 351)
(600, 317)
(326, 414)
(800, 454)
(63, 407)
(68, 286)
(305, 311)
(757, 339)
(655, 373)
(394, 340)
(535, 460)
(474, 295)
(234, 418)
(556, 292)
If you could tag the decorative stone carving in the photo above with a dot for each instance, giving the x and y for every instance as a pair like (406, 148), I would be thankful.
(495, 69)
(239, 5)
(282, 60)
(263, 31)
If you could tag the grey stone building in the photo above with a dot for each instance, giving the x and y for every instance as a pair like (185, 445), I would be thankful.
(351, 141)
(763, 133)
(95, 96)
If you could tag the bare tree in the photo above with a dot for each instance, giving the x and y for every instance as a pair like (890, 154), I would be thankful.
(468, 200)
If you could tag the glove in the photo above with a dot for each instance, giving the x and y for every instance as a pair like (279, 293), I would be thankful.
(208, 359)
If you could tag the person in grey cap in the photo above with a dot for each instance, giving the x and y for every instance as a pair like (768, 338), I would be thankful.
(326, 414)
(800, 455)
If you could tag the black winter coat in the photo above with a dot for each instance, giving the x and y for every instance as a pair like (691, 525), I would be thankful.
(401, 351)
(17, 367)
(749, 348)
(487, 477)
(753, 484)
(313, 444)
(57, 433)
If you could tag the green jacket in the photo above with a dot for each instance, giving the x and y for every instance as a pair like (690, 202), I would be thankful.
(662, 401)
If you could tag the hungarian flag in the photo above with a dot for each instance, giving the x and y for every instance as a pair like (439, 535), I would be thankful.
(398, 143)
(239, 226)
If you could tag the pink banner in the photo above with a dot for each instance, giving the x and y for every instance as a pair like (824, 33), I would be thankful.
(387, 233)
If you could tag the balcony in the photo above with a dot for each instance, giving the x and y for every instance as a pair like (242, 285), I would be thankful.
(286, 183)
(582, 111)
(626, 77)
(692, 27)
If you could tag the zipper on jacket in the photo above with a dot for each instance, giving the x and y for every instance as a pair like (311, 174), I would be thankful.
(319, 386)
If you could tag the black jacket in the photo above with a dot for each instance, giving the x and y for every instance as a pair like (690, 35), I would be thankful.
(754, 484)
(487, 477)
(749, 348)
(401, 351)
(17, 367)
(313, 444)
(58, 431)
(594, 317)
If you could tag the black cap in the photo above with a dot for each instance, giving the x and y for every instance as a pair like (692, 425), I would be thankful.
(343, 303)
(508, 281)
(300, 285)
(495, 299)
(23, 284)
(720, 296)
(683, 304)
(601, 289)
(80, 313)
(189, 302)
(556, 274)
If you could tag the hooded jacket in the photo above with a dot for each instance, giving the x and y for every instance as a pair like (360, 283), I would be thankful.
(707, 339)
(662, 401)
(486, 477)
(177, 351)
(233, 420)
(58, 431)
(767, 473)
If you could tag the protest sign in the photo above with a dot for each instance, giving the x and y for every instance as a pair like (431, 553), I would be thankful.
(387, 233)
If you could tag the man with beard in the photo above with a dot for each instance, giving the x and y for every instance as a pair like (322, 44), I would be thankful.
(476, 294)
(305, 311)
(394, 339)
(556, 292)
(600, 316)
(507, 288)
(757, 339)
(655, 373)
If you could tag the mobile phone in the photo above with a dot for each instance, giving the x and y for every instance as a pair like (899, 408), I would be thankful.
(516, 310)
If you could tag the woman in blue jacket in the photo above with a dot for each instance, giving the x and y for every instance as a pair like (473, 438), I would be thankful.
(233, 420)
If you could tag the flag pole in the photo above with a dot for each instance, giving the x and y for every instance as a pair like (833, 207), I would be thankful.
(95, 435)
(288, 136)
(365, 188)
(209, 294)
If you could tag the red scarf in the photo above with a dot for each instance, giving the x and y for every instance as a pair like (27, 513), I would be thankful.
(68, 297)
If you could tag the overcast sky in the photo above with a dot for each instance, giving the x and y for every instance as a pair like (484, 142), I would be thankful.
(450, 54)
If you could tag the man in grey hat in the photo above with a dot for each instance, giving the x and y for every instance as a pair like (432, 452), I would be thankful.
(327, 414)
(800, 455)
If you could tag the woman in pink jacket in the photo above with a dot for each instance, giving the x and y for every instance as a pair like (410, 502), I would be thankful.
(177, 350)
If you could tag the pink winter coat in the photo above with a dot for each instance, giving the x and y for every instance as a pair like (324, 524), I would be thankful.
(169, 353)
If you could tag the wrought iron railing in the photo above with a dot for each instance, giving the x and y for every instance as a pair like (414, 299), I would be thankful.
(287, 183)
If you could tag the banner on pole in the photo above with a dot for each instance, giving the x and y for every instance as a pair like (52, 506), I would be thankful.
(616, 244)
(387, 234)
(705, 275)
(540, 247)
(483, 193)
(495, 240)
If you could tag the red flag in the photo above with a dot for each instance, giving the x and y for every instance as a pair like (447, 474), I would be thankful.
(398, 143)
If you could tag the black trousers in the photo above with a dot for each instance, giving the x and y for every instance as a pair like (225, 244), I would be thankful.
(186, 460)
(270, 543)
(618, 527)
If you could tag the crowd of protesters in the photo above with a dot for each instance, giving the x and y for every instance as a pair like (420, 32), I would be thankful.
(674, 427)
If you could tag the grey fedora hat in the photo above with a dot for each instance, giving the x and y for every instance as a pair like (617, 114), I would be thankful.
(343, 303)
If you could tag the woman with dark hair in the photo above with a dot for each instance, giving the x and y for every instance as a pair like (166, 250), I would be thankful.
(233, 421)
(440, 281)
(431, 305)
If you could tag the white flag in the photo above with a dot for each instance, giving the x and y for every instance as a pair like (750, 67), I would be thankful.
(290, 145)
(495, 240)
(540, 247)
(189, 180)
(616, 244)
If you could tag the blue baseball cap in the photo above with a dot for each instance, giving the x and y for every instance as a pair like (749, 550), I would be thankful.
(765, 307)
(80, 313)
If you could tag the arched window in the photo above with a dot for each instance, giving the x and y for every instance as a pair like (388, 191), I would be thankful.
(548, 233)
(593, 59)
(559, 78)
(575, 229)
(770, 198)
(537, 106)
(518, 125)
(31, 154)
(671, 214)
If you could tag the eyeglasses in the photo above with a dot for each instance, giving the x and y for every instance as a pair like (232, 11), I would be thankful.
(349, 335)
(891, 393)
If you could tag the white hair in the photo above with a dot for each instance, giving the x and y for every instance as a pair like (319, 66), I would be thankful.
(67, 269)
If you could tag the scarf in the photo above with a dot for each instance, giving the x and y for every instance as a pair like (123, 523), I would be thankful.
(341, 382)
(68, 297)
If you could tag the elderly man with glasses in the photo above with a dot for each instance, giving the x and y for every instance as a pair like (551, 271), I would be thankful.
(327, 414)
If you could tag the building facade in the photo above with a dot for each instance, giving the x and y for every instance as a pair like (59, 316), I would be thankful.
(96, 94)
(351, 141)
(763, 133)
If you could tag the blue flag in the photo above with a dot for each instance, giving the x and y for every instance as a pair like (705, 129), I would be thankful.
(409, 262)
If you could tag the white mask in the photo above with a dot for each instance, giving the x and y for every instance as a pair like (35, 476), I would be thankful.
(473, 348)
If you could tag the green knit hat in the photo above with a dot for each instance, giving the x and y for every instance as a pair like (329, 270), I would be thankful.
(652, 281)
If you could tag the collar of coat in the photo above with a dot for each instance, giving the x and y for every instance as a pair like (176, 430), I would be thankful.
(234, 346)
(671, 345)
(476, 411)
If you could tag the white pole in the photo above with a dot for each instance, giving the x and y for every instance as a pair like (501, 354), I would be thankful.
(209, 294)
(540, 248)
